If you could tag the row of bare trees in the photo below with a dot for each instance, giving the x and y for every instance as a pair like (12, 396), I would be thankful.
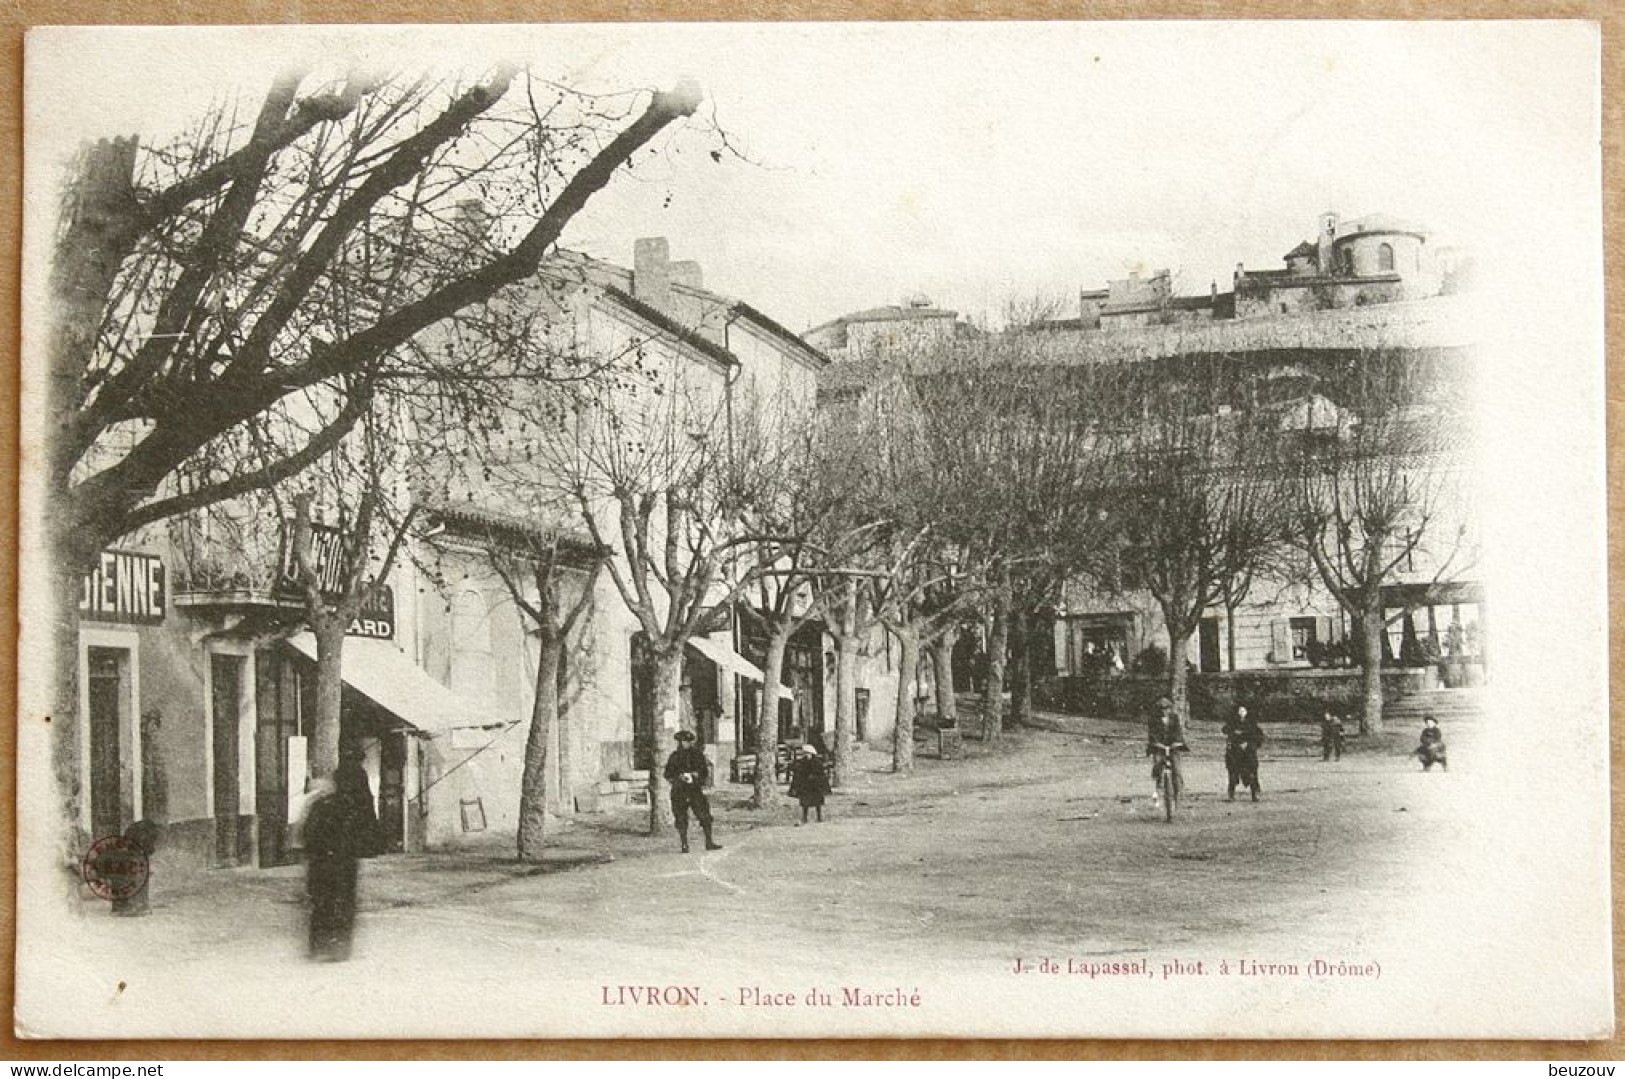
(1187, 477)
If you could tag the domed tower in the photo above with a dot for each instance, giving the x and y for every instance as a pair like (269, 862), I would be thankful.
(1380, 246)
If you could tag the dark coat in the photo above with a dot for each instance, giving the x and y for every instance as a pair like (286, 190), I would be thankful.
(1158, 732)
(809, 782)
(355, 792)
(335, 829)
(688, 761)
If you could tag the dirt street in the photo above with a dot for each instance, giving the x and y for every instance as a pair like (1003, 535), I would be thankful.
(1043, 844)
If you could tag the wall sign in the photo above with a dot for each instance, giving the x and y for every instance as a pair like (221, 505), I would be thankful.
(377, 617)
(124, 587)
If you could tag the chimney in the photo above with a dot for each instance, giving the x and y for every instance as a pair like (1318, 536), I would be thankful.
(687, 274)
(651, 272)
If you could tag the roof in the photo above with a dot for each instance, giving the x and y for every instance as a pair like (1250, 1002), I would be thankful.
(889, 313)
(1303, 250)
(778, 330)
(666, 324)
(618, 281)
(1370, 223)
(476, 520)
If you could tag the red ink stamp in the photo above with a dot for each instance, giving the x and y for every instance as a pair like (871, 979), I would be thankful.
(116, 868)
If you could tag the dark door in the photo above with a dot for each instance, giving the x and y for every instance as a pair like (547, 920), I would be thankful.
(1207, 643)
(861, 715)
(392, 793)
(107, 713)
(226, 674)
(277, 713)
(643, 702)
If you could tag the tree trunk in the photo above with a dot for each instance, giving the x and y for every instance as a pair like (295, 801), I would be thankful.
(534, 790)
(846, 671)
(902, 735)
(1021, 670)
(564, 797)
(942, 673)
(1179, 640)
(998, 642)
(1371, 633)
(1230, 637)
(668, 692)
(324, 740)
(98, 237)
(767, 718)
(67, 583)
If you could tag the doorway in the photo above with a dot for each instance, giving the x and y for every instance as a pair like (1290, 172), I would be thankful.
(1207, 645)
(226, 704)
(643, 702)
(108, 690)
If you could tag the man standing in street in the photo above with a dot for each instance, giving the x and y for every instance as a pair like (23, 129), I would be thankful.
(689, 773)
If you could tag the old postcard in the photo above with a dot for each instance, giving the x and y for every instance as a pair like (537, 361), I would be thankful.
(778, 530)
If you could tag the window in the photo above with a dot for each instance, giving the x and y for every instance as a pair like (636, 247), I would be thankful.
(1385, 258)
(1346, 261)
(1304, 635)
(472, 669)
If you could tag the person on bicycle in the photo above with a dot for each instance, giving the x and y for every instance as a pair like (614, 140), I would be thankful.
(1242, 737)
(1164, 729)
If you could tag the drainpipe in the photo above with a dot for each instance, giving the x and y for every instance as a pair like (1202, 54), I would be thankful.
(734, 314)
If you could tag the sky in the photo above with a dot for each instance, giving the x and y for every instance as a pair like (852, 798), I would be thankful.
(972, 164)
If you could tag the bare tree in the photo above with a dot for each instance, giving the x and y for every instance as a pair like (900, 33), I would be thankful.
(1375, 485)
(798, 488)
(650, 475)
(533, 564)
(339, 577)
(194, 284)
(1196, 494)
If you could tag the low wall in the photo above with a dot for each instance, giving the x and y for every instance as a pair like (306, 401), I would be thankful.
(1296, 695)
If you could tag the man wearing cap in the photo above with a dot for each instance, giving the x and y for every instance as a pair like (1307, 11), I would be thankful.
(689, 773)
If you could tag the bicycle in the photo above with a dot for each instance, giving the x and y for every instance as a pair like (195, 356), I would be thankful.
(1169, 781)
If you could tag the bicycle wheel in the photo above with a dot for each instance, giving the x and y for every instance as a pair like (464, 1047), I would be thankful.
(1170, 791)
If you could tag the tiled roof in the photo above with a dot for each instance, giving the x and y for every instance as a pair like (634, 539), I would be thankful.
(667, 324)
(471, 519)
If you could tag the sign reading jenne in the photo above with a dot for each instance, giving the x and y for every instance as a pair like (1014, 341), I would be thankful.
(124, 587)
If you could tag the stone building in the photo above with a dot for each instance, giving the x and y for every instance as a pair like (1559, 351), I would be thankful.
(1351, 263)
(1375, 259)
(888, 331)
(197, 679)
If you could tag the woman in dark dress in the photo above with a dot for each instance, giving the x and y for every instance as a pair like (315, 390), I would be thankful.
(333, 829)
(809, 783)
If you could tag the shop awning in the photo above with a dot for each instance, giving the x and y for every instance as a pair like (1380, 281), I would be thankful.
(725, 658)
(381, 673)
